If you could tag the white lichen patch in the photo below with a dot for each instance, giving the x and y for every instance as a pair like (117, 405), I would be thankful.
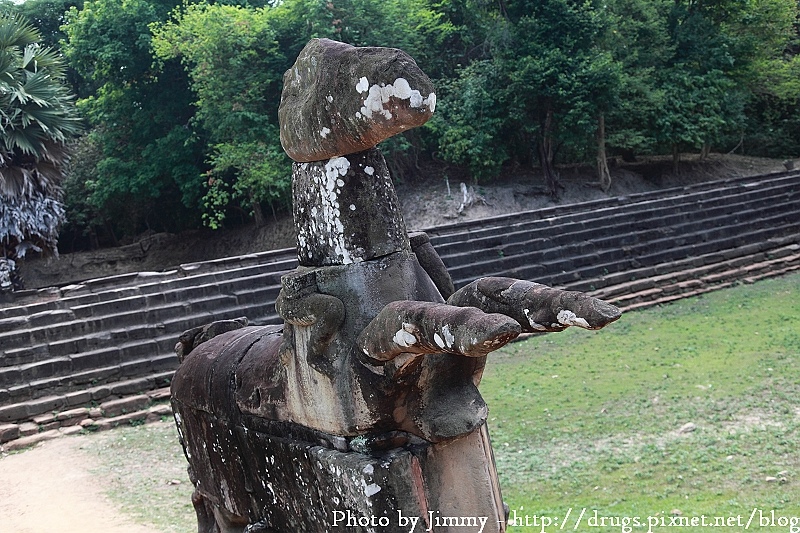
(352, 207)
(335, 167)
(371, 490)
(379, 95)
(430, 101)
(404, 337)
(568, 318)
(329, 98)
(369, 171)
(438, 340)
(326, 217)
(362, 86)
(448, 337)
(324, 132)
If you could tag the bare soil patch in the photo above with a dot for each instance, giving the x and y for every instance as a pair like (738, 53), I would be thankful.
(51, 488)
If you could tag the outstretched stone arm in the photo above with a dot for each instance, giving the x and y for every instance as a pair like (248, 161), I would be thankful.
(536, 307)
(427, 328)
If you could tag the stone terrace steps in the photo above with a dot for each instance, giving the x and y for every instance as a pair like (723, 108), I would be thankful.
(460, 231)
(692, 277)
(641, 215)
(113, 335)
(618, 235)
(101, 335)
(168, 283)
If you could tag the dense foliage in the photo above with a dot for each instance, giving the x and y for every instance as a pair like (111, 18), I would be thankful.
(37, 119)
(182, 97)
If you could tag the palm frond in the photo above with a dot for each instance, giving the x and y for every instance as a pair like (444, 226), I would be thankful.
(15, 31)
(37, 117)
(42, 58)
(38, 88)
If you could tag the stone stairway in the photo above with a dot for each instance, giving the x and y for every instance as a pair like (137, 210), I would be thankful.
(561, 248)
(110, 340)
(643, 249)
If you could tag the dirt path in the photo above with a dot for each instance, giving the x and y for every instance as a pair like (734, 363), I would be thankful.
(50, 488)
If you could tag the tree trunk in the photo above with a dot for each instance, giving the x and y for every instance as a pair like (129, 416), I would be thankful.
(603, 174)
(676, 159)
(546, 153)
(258, 214)
(111, 234)
(704, 151)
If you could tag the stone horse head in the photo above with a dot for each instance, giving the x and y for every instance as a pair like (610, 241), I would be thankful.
(362, 411)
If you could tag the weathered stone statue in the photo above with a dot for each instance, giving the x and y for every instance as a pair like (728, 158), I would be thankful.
(361, 412)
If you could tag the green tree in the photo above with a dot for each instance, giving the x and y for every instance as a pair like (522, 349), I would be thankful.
(235, 57)
(37, 118)
(544, 87)
(236, 71)
(638, 39)
(471, 119)
(148, 175)
(48, 16)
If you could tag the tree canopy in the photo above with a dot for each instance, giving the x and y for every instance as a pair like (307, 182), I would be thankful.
(182, 97)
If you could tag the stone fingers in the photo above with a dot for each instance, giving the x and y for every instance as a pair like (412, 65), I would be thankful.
(427, 328)
(536, 307)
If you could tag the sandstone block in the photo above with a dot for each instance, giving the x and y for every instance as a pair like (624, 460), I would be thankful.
(108, 423)
(8, 432)
(44, 419)
(15, 411)
(160, 410)
(73, 416)
(78, 397)
(346, 210)
(71, 430)
(31, 440)
(160, 394)
(26, 429)
(113, 408)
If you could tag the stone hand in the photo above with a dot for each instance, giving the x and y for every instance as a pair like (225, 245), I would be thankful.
(536, 307)
(427, 328)
(320, 314)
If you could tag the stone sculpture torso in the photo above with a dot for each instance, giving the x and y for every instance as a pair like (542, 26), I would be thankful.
(363, 409)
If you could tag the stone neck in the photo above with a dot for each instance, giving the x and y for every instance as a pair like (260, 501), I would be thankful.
(346, 210)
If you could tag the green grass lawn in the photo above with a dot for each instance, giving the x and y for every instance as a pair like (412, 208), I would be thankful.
(591, 419)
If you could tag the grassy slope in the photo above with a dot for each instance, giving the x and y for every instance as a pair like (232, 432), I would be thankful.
(590, 419)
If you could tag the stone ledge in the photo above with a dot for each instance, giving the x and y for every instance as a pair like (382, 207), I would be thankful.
(18, 436)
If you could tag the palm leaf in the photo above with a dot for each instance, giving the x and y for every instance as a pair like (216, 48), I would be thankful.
(15, 31)
(38, 88)
(37, 117)
(48, 59)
